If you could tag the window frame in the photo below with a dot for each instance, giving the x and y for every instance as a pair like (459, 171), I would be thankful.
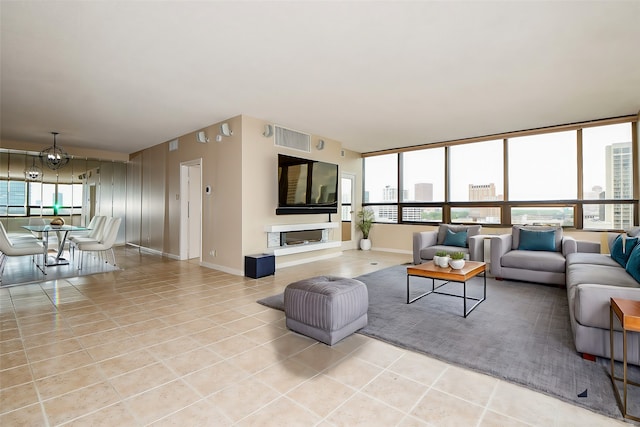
(505, 206)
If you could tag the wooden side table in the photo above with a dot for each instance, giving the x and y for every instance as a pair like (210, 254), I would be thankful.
(628, 313)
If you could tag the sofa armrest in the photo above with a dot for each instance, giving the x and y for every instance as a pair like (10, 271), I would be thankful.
(421, 240)
(591, 303)
(569, 246)
(590, 247)
(500, 245)
(476, 247)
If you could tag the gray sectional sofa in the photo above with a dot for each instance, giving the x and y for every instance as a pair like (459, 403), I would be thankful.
(592, 280)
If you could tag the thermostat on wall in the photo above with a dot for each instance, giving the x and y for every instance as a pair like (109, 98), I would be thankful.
(207, 189)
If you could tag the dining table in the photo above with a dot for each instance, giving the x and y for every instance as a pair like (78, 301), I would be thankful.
(62, 232)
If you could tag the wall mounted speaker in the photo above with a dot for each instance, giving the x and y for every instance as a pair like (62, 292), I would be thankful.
(202, 137)
(268, 131)
(224, 130)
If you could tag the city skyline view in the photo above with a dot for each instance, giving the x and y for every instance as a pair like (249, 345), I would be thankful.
(607, 174)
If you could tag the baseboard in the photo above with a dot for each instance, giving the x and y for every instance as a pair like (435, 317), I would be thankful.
(222, 268)
(306, 260)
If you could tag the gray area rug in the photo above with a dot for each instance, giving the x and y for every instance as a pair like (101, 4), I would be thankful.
(520, 334)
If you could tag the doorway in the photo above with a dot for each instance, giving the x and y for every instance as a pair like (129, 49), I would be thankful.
(191, 209)
(347, 189)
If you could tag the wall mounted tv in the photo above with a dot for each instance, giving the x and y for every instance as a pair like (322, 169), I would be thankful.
(306, 186)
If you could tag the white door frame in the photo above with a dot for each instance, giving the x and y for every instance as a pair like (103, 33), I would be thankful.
(184, 207)
(353, 243)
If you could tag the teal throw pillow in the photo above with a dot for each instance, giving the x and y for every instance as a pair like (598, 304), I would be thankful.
(620, 251)
(633, 263)
(537, 240)
(456, 239)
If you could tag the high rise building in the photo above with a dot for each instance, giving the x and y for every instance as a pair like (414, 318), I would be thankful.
(619, 184)
(484, 192)
(423, 192)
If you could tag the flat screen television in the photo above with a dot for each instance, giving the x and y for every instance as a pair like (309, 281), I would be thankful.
(306, 186)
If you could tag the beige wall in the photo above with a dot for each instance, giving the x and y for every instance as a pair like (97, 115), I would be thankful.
(260, 189)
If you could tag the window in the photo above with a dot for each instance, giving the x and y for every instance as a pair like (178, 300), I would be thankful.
(381, 179)
(475, 172)
(561, 215)
(423, 175)
(381, 186)
(534, 182)
(543, 167)
(476, 175)
(607, 174)
(422, 214)
(13, 198)
(346, 199)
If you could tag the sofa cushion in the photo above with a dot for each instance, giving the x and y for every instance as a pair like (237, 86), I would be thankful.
(534, 260)
(633, 263)
(472, 230)
(537, 240)
(622, 247)
(590, 258)
(599, 274)
(456, 239)
(515, 233)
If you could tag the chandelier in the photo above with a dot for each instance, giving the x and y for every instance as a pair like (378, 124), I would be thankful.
(34, 172)
(54, 156)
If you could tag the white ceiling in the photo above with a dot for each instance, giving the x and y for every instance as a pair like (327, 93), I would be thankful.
(127, 75)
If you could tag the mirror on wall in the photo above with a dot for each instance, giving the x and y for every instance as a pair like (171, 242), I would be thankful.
(77, 192)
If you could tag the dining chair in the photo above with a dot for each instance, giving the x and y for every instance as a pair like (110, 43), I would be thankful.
(19, 247)
(93, 234)
(105, 244)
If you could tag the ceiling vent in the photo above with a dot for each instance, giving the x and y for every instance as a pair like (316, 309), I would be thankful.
(292, 139)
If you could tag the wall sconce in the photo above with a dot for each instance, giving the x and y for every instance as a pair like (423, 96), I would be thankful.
(268, 131)
(201, 137)
(225, 130)
(320, 144)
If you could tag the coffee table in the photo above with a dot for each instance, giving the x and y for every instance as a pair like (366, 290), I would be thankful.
(431, 271)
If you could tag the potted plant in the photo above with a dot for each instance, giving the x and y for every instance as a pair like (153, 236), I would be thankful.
(457, 260)
(438, 255)
(365, 221)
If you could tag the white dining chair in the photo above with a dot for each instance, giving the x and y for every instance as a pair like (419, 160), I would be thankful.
(105, 244)
(93, 234)
(21, 247)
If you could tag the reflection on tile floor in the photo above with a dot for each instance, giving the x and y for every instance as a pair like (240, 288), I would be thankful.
(170, 343)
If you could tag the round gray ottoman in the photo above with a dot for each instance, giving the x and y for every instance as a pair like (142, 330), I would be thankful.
(327, 308)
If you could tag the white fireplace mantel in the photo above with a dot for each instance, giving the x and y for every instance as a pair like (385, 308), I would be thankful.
(279, 228)
(274, 230)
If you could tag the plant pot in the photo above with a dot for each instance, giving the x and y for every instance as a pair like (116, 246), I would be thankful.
(456, 264)
(443, 261)
(365, 244)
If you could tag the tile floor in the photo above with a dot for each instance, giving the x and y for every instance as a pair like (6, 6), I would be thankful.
(169, 343)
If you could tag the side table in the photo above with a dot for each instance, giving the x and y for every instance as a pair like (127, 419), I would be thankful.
(628, 313)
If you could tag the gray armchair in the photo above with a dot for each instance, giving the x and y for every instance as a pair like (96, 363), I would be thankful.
(513, 258)
(427, 243)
